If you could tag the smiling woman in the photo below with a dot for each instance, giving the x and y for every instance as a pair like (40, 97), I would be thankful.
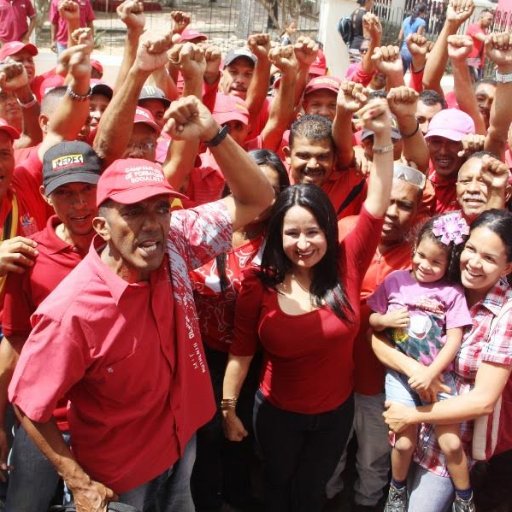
(302, 307)
(482, 373)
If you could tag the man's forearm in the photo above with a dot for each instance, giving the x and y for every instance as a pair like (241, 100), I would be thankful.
(49, 440)
(111, 142)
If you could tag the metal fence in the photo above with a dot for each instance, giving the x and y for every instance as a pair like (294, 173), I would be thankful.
(223, 21)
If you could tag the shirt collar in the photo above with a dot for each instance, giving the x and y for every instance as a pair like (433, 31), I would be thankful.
(117, 285)
(496, 298)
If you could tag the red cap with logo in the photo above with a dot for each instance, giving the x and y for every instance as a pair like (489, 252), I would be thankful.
(143, 115)
(131, 180)
(328, 83)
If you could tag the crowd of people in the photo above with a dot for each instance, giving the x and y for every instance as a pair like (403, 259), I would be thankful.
(220, 269)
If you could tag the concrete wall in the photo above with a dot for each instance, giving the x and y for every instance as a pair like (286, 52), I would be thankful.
(336, 52)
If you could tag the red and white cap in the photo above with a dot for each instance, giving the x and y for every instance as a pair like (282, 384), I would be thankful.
(143, 115)
(131, 180)
(10, 130)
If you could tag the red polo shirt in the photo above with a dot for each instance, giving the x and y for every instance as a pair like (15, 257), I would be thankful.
(13, 19)
(24, 292)
(97, 339)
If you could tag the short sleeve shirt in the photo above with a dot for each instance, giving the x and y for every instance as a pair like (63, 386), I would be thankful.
(433, 308)
(13, 19)
(484, 341)
(86, 16)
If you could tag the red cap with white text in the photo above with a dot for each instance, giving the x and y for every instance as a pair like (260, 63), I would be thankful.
(131, 180)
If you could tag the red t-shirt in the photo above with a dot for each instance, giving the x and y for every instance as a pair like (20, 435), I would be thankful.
(477, 52)
(338, 187)
(27, 178)
(445, 193)
(308, 363)
(216, 309)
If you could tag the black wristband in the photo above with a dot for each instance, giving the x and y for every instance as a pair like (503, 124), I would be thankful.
(221, 135)
(409, 135)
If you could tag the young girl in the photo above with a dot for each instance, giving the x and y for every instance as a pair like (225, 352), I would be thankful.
(425, 313)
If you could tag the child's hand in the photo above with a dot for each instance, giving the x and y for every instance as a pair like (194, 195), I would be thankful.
(422, 379)
(396, 319)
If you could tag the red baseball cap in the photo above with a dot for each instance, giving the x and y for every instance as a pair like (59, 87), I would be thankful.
(14, 47)
(329, 83)
(50, 83)
(192, 35)
(230, 108)
(143, 115)
(319, 65)
(131, 180)
(10, 130)
(96, 64)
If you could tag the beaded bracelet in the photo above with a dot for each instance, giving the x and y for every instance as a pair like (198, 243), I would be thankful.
(380, 150)
(78, 97)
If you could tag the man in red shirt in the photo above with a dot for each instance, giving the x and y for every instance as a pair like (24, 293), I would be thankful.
(394, 253)
(444, 139)
(122, 328)
(70, 173)
(478, 32)
(13, 20)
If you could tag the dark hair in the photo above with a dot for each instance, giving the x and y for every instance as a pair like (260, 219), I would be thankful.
(261, 157)
(430, 98)
(500, 223)
(416, 11)
(453, 250)
(268, 157)
(312, 127)
(489, 81)
(325, 285)
(52, 99)
(481, 154)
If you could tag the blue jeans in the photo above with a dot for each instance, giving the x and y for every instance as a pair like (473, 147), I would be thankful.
(429, 492)
(300, 453)
(170, 490)
(398, 389)
(33, 480)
